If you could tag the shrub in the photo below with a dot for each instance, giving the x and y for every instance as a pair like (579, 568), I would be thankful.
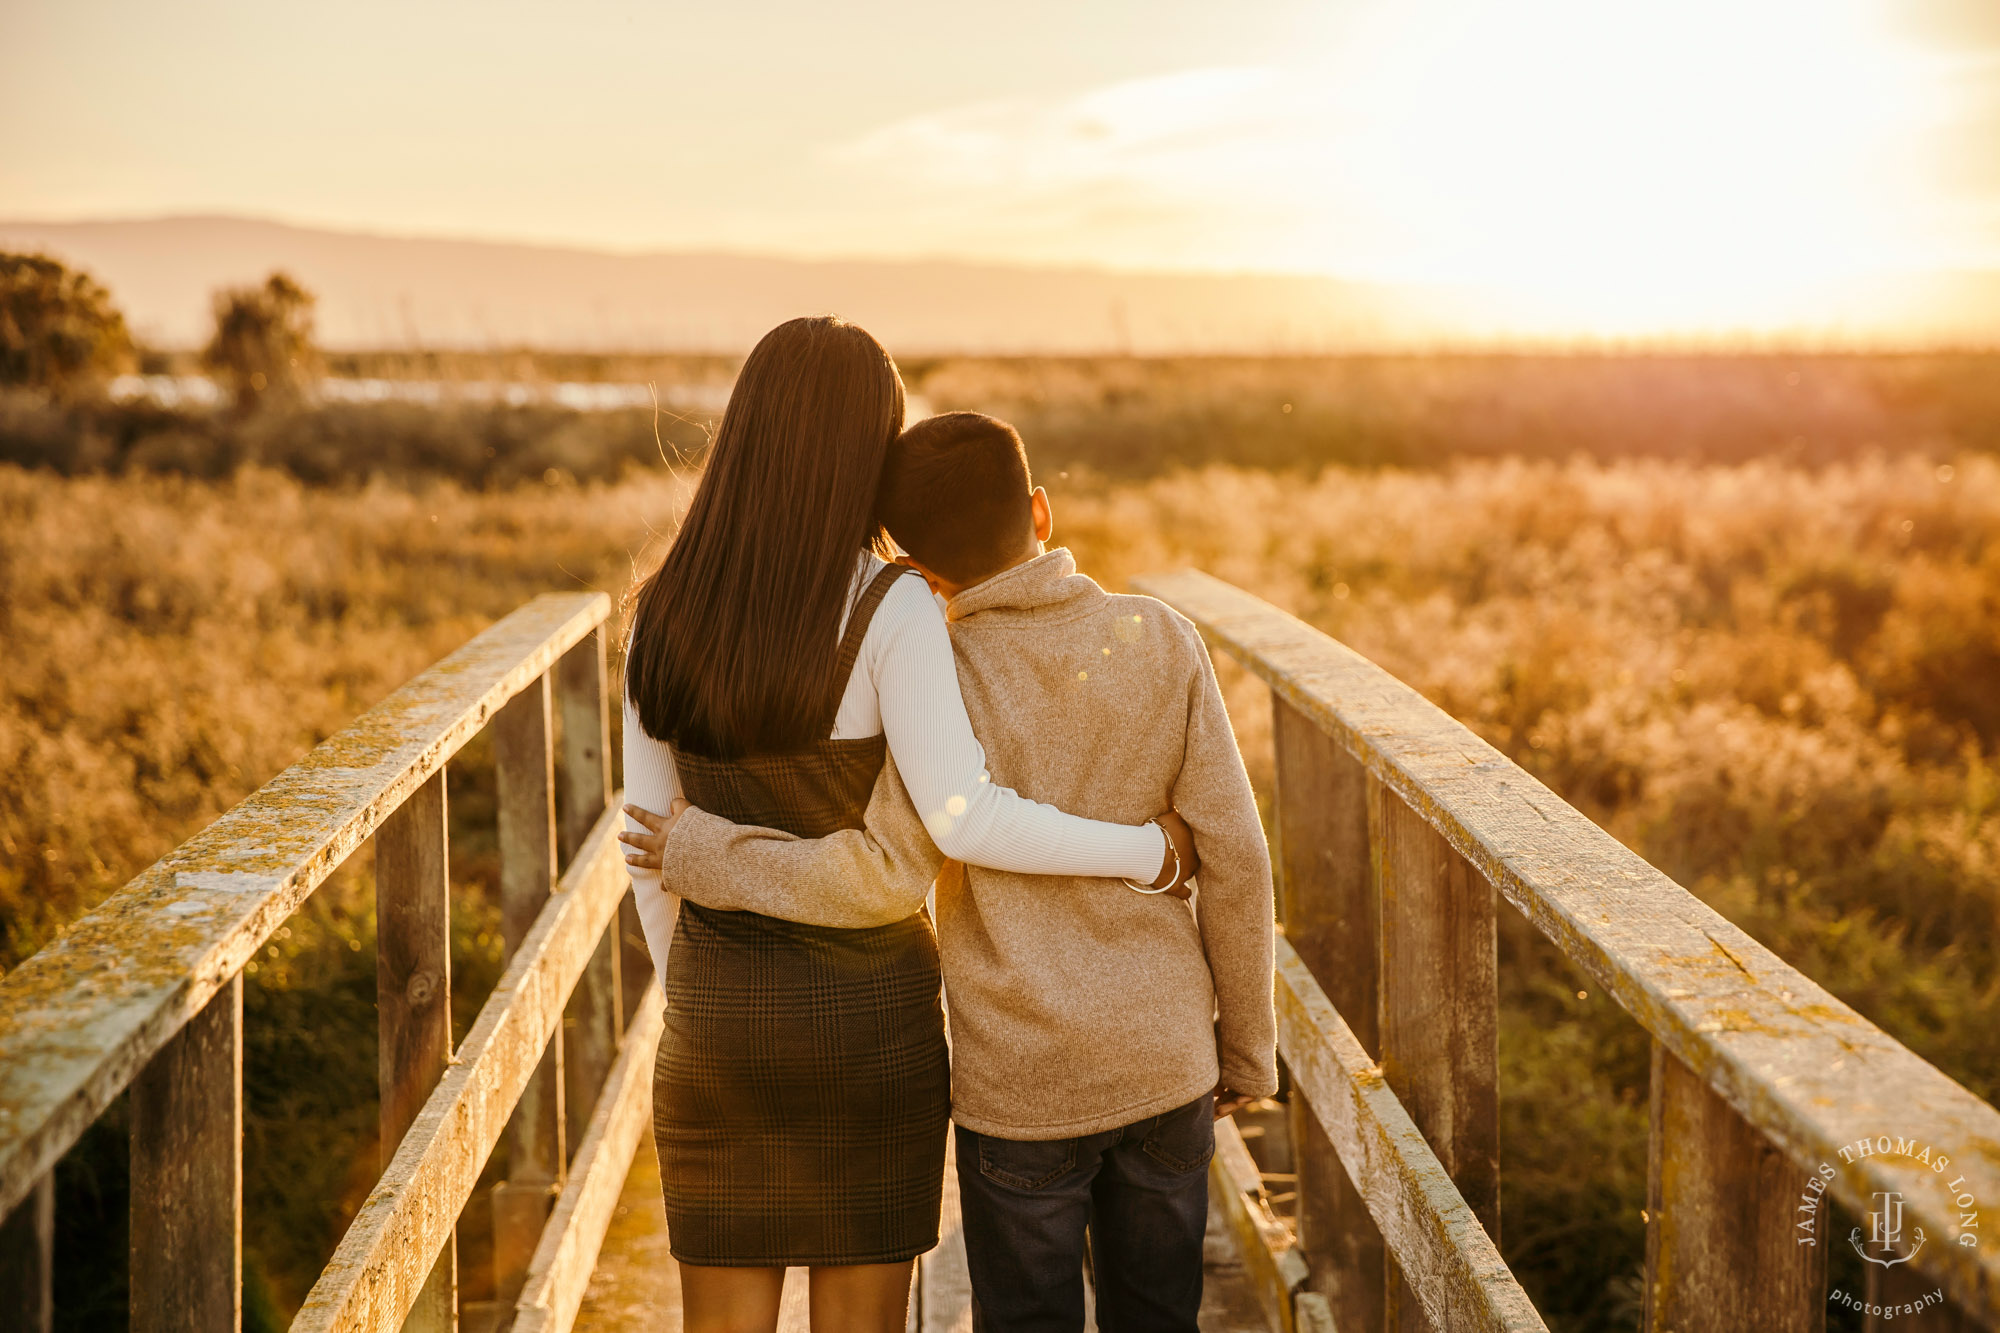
(262, 346)
(60, 335)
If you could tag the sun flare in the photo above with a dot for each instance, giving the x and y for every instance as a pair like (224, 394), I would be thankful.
(1624, 166)
(1561, 166)
(1709, 172)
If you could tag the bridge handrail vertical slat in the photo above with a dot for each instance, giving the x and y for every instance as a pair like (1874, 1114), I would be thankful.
(375, 1273)
(82, 1017)
(413, 996)
(1449, 1261)
(1804, 1069)
(524, 771)
(596, 1018)
(1328, 902)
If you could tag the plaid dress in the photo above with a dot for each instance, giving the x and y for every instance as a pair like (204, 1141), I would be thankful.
(802, 1089)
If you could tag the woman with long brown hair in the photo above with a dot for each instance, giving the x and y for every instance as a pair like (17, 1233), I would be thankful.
(777, 661)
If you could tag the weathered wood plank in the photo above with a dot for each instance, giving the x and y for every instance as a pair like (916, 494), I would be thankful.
(187, 1175)
(1327, 903)
(1789, 1057)
(1327, 895)
(374, 1275)
(1270, 1260)
(412, 957)
(586, 739)
(1459, 1277)
(635, 962)
(80, 1018)
(1439, 999)
(524, 771)
(1723, 1249)
(563, 1260)
(591, 1028)
(1313, 1313)
(413, 996)
(28, 1262)
(1439, 1014)
(590, 1035)
(524, 764)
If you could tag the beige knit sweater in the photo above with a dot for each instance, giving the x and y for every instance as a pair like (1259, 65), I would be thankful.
(1076, 1005)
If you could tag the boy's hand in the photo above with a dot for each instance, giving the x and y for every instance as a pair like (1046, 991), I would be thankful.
(1182, 837)
(652, 843)
(1228, 1102)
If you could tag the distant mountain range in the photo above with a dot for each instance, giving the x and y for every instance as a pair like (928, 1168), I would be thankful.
(387, 291)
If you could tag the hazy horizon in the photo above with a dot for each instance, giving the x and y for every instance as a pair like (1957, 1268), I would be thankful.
(1678, 170)
(380, 290)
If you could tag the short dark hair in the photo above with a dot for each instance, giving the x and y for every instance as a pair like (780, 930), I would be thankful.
(955, 493)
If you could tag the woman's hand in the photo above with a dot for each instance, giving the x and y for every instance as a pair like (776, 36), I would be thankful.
(652, 843)
(1182, 838)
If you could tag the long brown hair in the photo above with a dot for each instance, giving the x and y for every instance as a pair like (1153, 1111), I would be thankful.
(733, 637)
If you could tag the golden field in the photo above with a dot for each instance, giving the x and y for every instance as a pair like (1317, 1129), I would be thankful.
(1779, 683)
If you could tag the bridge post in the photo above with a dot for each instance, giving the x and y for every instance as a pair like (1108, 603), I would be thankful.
(1327, 902)
(1722, 1250)
(525, 761)
(635, 961)
(413, 998)
(187, 1175)
(27, 1261)
(1439, 1019)
(592, 1022)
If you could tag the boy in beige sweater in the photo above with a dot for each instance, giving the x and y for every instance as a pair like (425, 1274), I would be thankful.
(1096, 1030)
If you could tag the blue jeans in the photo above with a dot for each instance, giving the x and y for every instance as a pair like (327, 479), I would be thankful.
(1141, 1195)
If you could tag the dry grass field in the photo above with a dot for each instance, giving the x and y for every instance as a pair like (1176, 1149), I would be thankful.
(1780, 683)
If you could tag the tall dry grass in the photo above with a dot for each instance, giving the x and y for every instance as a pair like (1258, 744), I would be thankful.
(1780, 684)
(1138, 416)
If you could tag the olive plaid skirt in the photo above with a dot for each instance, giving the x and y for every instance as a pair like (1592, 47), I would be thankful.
(803, 1088)
(802, 1091)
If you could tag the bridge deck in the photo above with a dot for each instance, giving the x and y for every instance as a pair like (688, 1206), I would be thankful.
(635, 1284)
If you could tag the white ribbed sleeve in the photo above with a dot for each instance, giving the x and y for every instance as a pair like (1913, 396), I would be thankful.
(651, 783)
(905, 686)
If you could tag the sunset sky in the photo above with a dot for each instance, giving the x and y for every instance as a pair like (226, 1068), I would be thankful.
(1605, 162)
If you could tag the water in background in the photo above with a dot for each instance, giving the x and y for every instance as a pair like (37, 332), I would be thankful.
(576, 395)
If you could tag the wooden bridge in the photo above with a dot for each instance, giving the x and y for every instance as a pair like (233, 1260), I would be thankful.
(1395, 826)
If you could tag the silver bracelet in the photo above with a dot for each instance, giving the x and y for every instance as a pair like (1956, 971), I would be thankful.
(1172, 851)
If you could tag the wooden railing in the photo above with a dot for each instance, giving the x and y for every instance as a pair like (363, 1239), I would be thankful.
(146, 993)
(1394, 827)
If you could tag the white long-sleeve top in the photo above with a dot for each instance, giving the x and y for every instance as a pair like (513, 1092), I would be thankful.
(905, 686)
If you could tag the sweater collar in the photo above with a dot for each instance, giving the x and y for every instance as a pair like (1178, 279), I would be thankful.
(1049, 579)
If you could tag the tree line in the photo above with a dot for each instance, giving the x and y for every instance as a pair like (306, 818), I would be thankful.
(63, 337)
